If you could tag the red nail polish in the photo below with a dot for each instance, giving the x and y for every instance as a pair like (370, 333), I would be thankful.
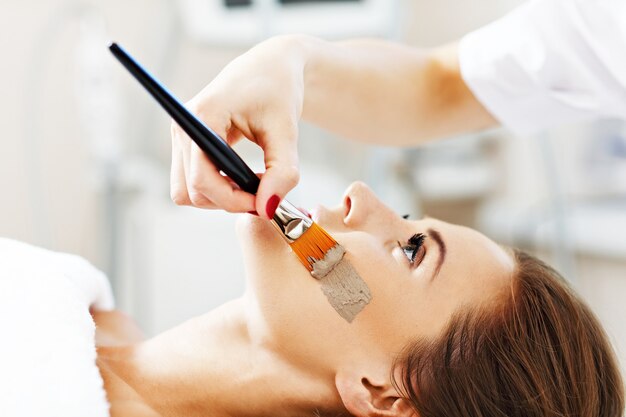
(253, 212)
(271, 206)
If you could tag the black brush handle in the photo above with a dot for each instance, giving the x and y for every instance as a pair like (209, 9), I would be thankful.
(218, 151)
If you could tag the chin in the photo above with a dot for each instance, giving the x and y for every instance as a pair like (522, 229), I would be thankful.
(267, 256)
(277, 284)
(250, 227)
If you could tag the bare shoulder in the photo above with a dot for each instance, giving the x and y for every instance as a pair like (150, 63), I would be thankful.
(131, 409)
(123, 400)
(115, 328)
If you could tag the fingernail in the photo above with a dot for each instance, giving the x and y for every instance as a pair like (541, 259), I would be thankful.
(272, 205)
(253, 212)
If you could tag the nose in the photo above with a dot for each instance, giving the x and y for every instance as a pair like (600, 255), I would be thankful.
(362, 207)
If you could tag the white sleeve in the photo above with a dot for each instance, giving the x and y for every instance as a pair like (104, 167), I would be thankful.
(550, 62)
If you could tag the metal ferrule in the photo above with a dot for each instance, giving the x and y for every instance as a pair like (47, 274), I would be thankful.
(291, 222)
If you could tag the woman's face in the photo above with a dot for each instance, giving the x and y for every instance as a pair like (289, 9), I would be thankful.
(455, 267)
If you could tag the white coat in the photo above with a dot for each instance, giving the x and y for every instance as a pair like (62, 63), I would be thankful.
(550, 62)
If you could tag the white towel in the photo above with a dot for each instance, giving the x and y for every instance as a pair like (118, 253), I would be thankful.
(47, 336)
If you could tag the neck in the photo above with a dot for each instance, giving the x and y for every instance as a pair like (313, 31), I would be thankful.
(212, 365)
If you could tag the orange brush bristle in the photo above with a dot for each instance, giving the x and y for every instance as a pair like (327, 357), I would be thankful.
(312, 245)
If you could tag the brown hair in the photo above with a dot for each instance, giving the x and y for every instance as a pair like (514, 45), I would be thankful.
(541, 353)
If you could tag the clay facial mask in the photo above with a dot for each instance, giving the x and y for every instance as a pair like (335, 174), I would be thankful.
(345, 290)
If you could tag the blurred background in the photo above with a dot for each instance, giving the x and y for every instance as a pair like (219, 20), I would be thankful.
(84, 162)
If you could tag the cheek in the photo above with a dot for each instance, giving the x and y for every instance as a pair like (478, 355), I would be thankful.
(388, 322)
(403, 307)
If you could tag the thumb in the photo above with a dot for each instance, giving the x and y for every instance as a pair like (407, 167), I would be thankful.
(281, 170)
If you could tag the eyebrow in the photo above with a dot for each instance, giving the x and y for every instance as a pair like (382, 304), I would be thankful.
(436, 236)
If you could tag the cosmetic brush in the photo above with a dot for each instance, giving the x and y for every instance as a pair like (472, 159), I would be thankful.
(313, 246)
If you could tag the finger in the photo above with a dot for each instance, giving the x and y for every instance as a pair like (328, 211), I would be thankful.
(233, 136)
(281, 167)
(206, 186)
(193, 178)
(206, 183)
(178, 183)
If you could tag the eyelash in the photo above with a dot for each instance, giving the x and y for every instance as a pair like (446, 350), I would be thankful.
(413, 246)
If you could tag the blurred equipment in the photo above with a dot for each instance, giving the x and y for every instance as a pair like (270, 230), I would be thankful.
(100, 108)
(603, 156)
(118, 173)
(454, 177)
(238, 22)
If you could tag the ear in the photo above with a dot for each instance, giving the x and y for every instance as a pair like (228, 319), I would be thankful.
(371, 396)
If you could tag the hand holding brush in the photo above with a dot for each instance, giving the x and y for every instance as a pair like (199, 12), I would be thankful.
(308, 241)
(345, 290)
